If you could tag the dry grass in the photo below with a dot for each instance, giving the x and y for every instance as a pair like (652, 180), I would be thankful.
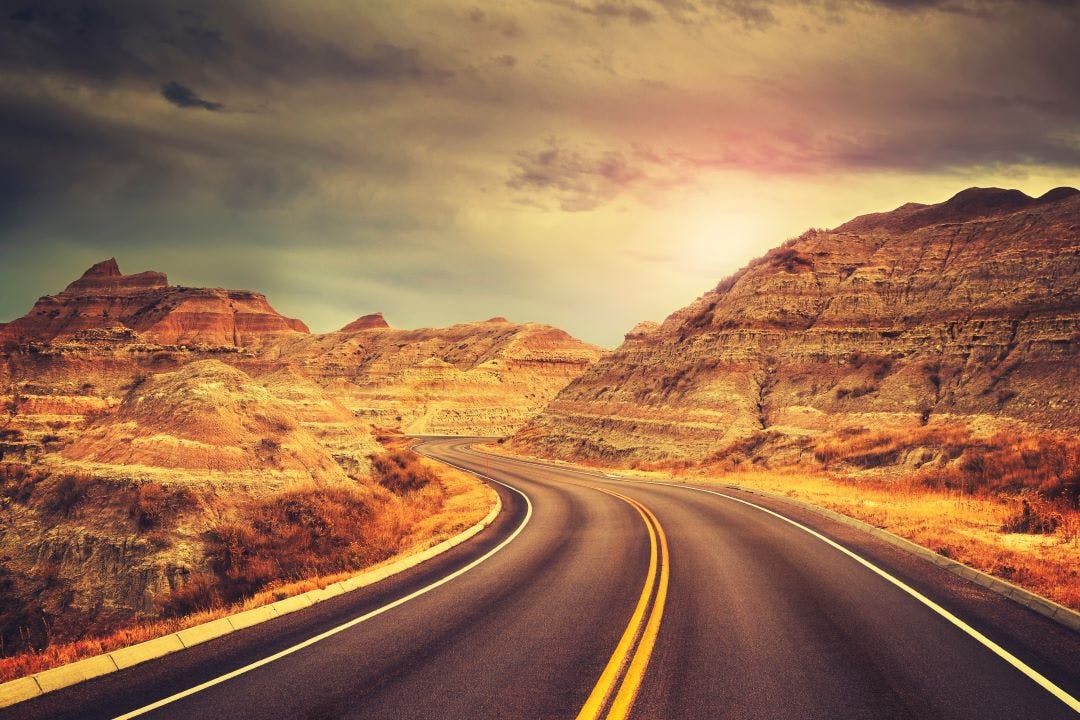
(402, 527)
(948, 457)
(969, 529)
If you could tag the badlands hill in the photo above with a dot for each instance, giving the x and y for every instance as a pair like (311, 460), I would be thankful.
(894, 331)
(484, 378)
(145, 303)
(116, 517)
(166, 448)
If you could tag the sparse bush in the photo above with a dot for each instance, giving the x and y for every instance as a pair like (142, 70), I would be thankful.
(137, 382)
(294, 535)
(148, 506)
(1005, 463)
(790, 259)
(269, 445)
(17, 481)
(66, 493)
(400, 472)
(199, 592)
(1037, 517)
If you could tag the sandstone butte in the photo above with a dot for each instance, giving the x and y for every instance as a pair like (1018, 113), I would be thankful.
(137, 417)
(146, 303)
(963, 315)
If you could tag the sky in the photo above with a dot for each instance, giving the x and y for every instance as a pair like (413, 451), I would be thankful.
(584, 163)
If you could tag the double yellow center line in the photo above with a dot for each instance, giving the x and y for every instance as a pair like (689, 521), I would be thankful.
(618, 684)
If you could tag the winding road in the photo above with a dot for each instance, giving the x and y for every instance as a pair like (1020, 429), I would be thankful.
(592, 597)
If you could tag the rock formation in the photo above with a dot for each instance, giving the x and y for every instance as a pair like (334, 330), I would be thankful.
(145, 302)
(373, 321)
(968, 309)
(483, 378)
(139, 421)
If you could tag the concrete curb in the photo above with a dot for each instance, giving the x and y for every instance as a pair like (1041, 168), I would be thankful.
(32, 686)
(1048, 608)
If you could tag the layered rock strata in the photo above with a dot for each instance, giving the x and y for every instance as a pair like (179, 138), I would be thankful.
(965, 309)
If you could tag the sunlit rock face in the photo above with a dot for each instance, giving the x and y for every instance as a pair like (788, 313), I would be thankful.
(136, 417)
(967, 309)
(481, 378)
(145, 303)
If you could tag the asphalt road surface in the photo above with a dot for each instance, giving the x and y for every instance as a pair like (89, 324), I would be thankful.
(596, 597)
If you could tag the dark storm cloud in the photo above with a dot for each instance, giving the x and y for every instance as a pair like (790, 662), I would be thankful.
(761, 14)
(380, 132)
(183, 96)
(131, 41)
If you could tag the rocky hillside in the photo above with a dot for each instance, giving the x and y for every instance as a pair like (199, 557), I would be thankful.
(165, 448)
(484, 378)
(105, 298)
(964, 314)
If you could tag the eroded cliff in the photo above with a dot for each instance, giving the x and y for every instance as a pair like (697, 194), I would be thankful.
(965, 312)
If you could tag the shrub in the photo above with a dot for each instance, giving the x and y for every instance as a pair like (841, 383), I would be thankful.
(197, 593)
(269, 445)
(1005, 463)
(400, 472)
(148, 506)
(293, 535)
(1033, 517)
(66, 493)
(17, 481)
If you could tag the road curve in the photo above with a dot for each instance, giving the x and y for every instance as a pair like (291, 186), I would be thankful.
(766, 620)
(691, 604)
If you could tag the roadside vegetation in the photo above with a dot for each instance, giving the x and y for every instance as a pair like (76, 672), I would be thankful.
(1008, 505)
(265, 550)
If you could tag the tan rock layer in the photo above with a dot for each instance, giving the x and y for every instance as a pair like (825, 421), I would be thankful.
(968, 308)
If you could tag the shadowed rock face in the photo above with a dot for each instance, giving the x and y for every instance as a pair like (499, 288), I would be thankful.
(145, 302)
(969, 308)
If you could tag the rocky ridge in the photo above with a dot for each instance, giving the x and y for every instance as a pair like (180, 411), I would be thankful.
(104, 298)
(484, 378)
(967, 311)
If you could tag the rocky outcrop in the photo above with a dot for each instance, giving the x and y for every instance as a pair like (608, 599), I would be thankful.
(374, 321)
(484, 378)
(104, 298)
(209, 418)
(966, 309)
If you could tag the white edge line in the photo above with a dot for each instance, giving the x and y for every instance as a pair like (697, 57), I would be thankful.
(344, 626)
(1001, 652)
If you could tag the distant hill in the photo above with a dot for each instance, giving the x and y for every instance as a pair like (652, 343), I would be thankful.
(145, 303)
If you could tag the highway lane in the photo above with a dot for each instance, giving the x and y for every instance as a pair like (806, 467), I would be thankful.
(764, 620)
(761, 620)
